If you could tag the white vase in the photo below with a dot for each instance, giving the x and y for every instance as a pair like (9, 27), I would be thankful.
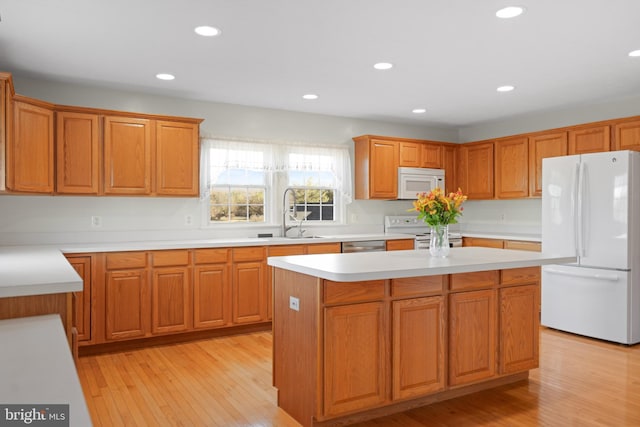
(439, 243)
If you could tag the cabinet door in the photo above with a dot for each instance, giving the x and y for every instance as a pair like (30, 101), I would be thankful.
(355, 357)
(431, 156)
(541, 147)
(127, 155)
(400, 245)
(450, 165)
(482, 242)
(211, 296)
(170, 300)
(418, 347)
(511, 172)
(177, 159)
(478, 159)
(77, 152)
(410, 154)
(82, 300)
(324, 248)
(472, 336)
(627, 135)
(30, 163)
(249, 292)
(126, 304)
(383, 178)
(519, 328)
(589, 140)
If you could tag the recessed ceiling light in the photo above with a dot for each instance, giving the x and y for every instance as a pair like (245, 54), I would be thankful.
(510, 12)
(310, 96)
(383, 65)
(634, 53)
(207, 31)
(165, 76)
(505, 88)
(419, 110)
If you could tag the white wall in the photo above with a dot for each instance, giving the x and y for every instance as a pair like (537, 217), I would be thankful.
(514, 216)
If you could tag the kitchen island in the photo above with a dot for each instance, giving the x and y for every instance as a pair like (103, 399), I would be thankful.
(359, 336)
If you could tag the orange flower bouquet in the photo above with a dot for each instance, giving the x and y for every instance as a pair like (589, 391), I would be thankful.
(436, 208)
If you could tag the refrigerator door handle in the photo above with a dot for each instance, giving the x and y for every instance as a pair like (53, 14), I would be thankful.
(580, 216)
(575, 208)
(607, 277)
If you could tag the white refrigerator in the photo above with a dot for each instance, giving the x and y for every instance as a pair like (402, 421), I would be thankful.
(591, 210)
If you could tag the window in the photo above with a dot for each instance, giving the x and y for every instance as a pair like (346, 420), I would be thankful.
(243, 182)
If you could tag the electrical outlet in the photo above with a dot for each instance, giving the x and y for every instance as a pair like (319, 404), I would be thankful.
(96, 221)
(188, 219)
(294, 303)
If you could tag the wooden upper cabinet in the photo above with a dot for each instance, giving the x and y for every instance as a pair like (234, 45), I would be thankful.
(540, 147)
(127, 155)
(177, 158)
(450, 165)
(30, 152)
(431, 155)
(627, 136)
(410, 154)
(77, 153)
(511, 168)
(477, 170)
(5, 123)
(376, 168)
(589, 140)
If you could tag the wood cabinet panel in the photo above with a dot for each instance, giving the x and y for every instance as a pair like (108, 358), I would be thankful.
(431, 155)
(512, 168)
(82, 300)
(477, 163)
(520, 275)
(30, 152)
(589, 140)
(341, 292)
(355, 357)
(450, 164)
(519, 328)
(400, 245)
(384, 170)
(627, 135)
(540, 147)
(127, 155)
(252, 253)
(410, 154)
(177, 159)
(523, 245)
(211, 296)
(170, 258)
(249, 293)
(483, 242)
(77, 153)
(324, 248)
(474, 280)
(127, 308)
(472, 336)
(125, 260)
(211, 256)
(418, 359)
(171, 300)
(286, 250)
(418, 286)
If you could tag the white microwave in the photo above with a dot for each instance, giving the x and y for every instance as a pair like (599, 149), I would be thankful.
(412, 181)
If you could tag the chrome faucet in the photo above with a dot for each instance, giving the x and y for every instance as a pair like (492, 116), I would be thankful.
(286, 210)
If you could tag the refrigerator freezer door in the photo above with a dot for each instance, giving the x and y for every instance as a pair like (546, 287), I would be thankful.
(559, 204)
(587, 301)
(604, 222)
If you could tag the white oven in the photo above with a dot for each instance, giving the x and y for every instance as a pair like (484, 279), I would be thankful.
(412, 181)
(410, 224)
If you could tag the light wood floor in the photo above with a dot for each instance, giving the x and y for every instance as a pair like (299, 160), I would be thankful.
(227, 382)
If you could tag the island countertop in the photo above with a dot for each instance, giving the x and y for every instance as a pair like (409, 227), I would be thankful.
(355, 267)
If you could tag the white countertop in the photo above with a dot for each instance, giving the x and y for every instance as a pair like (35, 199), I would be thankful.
(411, 263)
(35, 271)
(37, 368)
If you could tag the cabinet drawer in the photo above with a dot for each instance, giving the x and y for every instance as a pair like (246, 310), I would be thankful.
(400, 245)
(337, 292)
(520, 275)
(168, 258)
(476, 280)
(211, 256)
(523, 245)
(324, 248)
(253, 253)
(286, 250)
(122, 260)
(412, 286)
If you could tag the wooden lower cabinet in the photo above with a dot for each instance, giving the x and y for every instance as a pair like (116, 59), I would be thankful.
(82, 300)
(418, 359)
(400, 245)
(519, 325)
(127, 308)
(472, 336)
(171, 300)
(249, 290)
(482, 242)
(211, 296)
(355, 357)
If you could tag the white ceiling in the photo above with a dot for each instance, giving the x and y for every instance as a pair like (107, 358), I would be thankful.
(449, 56)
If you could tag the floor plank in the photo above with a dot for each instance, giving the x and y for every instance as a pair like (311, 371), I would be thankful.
(227, 382)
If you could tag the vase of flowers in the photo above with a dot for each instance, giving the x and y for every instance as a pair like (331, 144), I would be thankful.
(439, 210)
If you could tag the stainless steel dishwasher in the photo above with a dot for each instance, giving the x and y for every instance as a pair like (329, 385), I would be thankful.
(364, 246)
